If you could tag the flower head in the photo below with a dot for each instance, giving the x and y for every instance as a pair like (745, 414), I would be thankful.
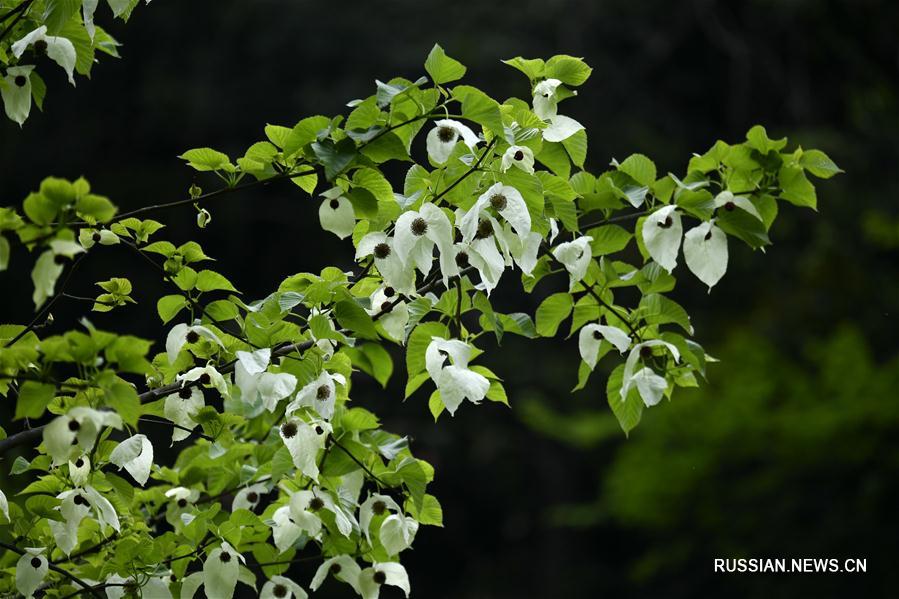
(575, 256)
(447, 364)
(336, 213)
(441, 140)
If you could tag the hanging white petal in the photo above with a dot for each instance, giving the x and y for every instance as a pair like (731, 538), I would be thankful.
(447, 364)
(375, 505)
(647, 386)
(662, 233)
(342, 567)
(388, 261)
(705, 252)
(221, 571)
(518, 156)
(16, 93)
(561, 128)
(280, 587)
(575, 256)
(304, 441)
(336, 213)
(729, 202)
(76, 432)
(136, 456)
(59, 49)
(545, 102)
(180, 408)
(441, 140)
(181, 334)
(31, 570)
(392, 573)
(591, 337)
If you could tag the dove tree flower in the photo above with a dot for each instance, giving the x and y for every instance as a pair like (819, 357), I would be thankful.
(336, 213)
(447, 365)
(15, 89)
(135, 455)
(258, 387)
(592, 336)
(280, 587)
(342, 567)
(416, 235)
(320, 395)
(304, 440)
(507, 202)
(662, 234)
(546, 106)
(520, 157)
(58, 49)
(31, 570)
(388, 261)
(76, 431)
(182, 334)
(575, 256)
(442, 139)
(705, 252)
(371, 579)
(649, 385)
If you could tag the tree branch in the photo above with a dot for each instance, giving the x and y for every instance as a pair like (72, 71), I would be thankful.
(86, 587)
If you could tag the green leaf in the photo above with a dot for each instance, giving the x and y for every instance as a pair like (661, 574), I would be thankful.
(95, 209)
(640, 168)
(33, 399)
(305, 132)
(480, 108)
(168, 307)
(531, 67)
(335, 156)
(819, 164)
(629, 411)
(205, 159)
(44, 506)
(442, 68)
(551, 312)
(758, 139)
(352, 316)
(796, 188)
(430, 513)
(567, 69)
(373, 359)
(208, 280)
(418, 343)
(609, 239)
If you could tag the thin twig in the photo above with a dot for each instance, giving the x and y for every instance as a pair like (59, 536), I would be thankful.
(55, 568)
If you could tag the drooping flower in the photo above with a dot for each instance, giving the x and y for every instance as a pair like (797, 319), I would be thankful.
(372, 578)
(375, 505)
(729, 202)
(88, 238)
(336, 213)
(304, 513)
(392, 310)
(342, 567)
(416, 234)
(181, 407)
(258, 387)
(320, 395)
(248, 497)
(546, 100)
(388, 261)
(304, 441)
(135, 454)
(649, 385)
(518, 156)
(16, 93)
(575, 256)
(221, 571)
(207, 376)
(705, 252)
(4, 505)
(441, 140)
(58, 49)
(523, 250)
(31, 569)
(181, 502)
(76, 431)
(591, 337)
(662, 233)
(182, 334)
(280, 587)
(75, 505)
(285, 530)
(305, 505)
(455, 381)
(507, 202)
(79, 470)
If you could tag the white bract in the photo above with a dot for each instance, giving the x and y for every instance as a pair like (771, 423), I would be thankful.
(447, 364)
(258, 386)
(393, 311)
(518, 156)
(88, 238)
(729, 201)
(388, 261)
(320, 395)
(575, 256)
(416, 234)
(508, 203)
(546, 102)
(181, 334)
(342, 567)
(441, 140)
(662, 232)
(336, 213)
(180, 408)
(59, 49)
(372, 578)
(304, 441)
(649, 385)
(31, 569)
(279, 587)
(591, 337)
(705, 251)
(206, 375)
(248, 497)
(79, 470)
(135, 454)
(15, 90)
(375, 505)
(221, 571)
(77, 430)
(4, 505)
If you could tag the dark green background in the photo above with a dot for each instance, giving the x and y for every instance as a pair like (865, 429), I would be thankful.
(790, 451)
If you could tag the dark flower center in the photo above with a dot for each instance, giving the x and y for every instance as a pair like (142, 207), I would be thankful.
(319, 430)
(378, 507)
(446, 134)
(182, 502)
(225, 557)
(184, 393)
(289, 429)
(419, 226)
(379, 577)
(280, 590)
(96, 237)
(252, 497)
(485, 229)
(666, 223)
(382, 250)
(645, 351)
(708, 235)
(40, 47)
(192, 337)
(59, 259)
(316, 504)
(173, 578)
(389, 292)
(79, 500)
(20, 80)
(334, 204)
(498, 202)
(335, 568)
(386, 307)
(519, 155)
(204, 378)
(597, 335)
(36, 562)
(322, 393)
(74, 425)
(462, 259)
(729, 206)
(79, 463)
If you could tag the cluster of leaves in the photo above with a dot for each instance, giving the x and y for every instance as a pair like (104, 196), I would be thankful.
(258, 392)
(33, 32)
